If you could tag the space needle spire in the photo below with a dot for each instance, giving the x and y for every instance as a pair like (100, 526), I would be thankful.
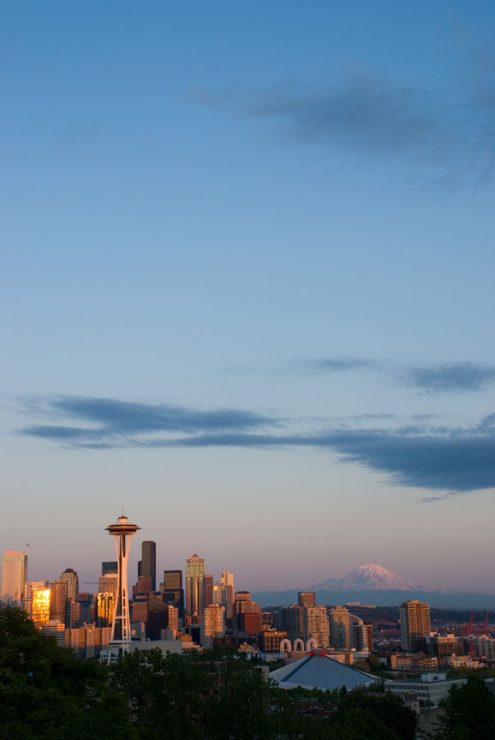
(120, 639)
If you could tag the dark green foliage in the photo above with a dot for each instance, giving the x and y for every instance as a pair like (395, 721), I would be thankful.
(468, 712)
(382, 710)
(47, 692)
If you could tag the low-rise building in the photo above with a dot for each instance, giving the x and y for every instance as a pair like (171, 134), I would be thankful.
(428, 690)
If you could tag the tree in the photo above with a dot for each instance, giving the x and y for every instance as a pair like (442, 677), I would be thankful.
(386, 709)
(468, 712)
(47, 692)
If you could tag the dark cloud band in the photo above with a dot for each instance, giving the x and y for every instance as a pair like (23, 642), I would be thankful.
(435, 458)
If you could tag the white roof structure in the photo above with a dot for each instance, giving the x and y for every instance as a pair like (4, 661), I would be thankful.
(319, 670)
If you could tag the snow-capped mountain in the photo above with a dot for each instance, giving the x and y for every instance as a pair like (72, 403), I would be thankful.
(368, 577)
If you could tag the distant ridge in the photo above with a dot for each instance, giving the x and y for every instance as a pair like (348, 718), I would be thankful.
(373, 584)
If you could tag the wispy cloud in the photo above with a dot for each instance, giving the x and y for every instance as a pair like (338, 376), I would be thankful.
(336, 364)
(454, 134)
(451, 377)
(114, 420)
(448, 377)
(436, 458)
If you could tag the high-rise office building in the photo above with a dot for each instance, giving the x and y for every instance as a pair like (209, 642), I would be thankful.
(54, 629)
(105, 604)
(109, 583)
(157, 616)
(143, 587)
(195, 571)
(316, 625)
(172, 590)
(72, 579)
(414, 623)
(86, 602)
(14, 576)
(40, 603)
(306, 598)
(223, 593)
(148, 561)
(340, 628)
(291, 620)
(207, 591)
(172, 618)
(247, 614)
(58, 599)
(109, 566)
(361, 634)
(213, 623)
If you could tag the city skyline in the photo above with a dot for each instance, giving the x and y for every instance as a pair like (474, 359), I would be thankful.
(366, 579)
(247, 258)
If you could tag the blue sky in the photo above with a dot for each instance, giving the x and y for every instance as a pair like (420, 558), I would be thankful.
(247, 285)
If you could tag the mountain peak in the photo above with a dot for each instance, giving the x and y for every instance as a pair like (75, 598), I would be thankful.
(369, 577)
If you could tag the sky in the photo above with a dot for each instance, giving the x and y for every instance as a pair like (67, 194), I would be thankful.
(246, 282)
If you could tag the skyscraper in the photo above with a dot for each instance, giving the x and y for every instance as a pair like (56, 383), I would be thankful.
(414, 623)
(40, 603)
(316, 625)
(14, 576)
(72, 579)
(223, 592)
(306, 598)
(109, 583)
(120, 641)
(195, 572)
(340, 628)
(105, 604)
(148, 561)
(207, 591)
(172, 591)
(213, 623)
(109, 566)
(58, 599)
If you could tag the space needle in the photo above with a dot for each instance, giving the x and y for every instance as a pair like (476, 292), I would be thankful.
(120, 639)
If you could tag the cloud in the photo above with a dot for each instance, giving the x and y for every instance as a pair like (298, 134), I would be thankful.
(336, 364)
(453, 133)
(127, 416)
(436, 458)
(451, 377)
(451, 461)
(115, 421)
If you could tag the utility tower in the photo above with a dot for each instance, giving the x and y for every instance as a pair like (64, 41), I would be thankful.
(120, 639)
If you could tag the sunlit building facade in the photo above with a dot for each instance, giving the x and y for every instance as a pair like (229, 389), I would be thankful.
(223, 593)
(14, 576)
(213, 623)
(195, 572)
(105, 604)
(58, 599)
(72, 579)
(40, 604)
(414, 623)
(55, 629)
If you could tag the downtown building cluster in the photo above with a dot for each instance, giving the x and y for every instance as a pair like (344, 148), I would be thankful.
(178, 610)
(189, 607)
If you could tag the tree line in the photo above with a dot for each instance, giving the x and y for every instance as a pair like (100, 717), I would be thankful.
(46, 691)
